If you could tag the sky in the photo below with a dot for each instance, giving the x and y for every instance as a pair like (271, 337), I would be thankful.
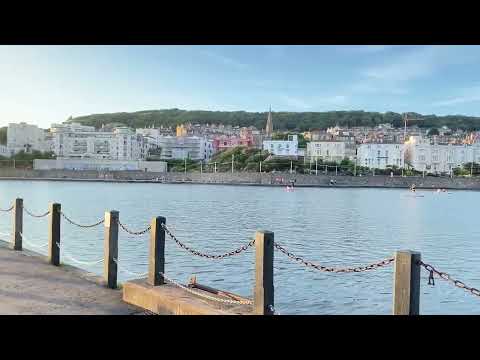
(47, 84)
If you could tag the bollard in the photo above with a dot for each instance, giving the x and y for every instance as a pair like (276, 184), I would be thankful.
(110, 267)
(17, 224)
(156, 261)
(406, 286)
(263, 301)
(54, 234)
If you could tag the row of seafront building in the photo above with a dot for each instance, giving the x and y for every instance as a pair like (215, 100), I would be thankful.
(379, 148)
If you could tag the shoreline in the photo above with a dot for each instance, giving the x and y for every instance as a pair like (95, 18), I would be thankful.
(240, 179)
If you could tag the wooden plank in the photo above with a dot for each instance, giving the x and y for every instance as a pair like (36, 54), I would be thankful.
(54, 234)
(406, 288)
(156, 262)
(263, 293)
(110, 268)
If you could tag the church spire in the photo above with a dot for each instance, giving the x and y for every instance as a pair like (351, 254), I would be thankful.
(269, 127)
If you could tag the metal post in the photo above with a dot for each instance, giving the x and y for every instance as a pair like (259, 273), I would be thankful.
(471, 169)
(110, 268)
(14, 165)
(336, 170)
(17, 224)
(185, 166)
(291, 166)
(263, 301)
(156, 263)
(233, 157)
(215, 168)
(406, 286)
(54, 234)
(316, 166)
(260, 167)
(326, 169)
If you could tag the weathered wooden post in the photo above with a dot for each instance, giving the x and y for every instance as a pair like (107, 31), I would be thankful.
(17, 224)
(263, 301)
(54, 234)
(156, 257)
(110, 266)
(406, 287)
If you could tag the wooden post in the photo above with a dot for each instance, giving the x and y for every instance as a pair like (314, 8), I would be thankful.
(110, 268)
(263, 301)
(406, 287)
(54, 234)
(156, 256)
(17, 224)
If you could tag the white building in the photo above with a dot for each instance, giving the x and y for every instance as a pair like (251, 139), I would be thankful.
(282, 147)
(4, 151)
(23, 136)
(423, 155)
(380, 155)
(185, 147)
(76, 141)
(328, 150)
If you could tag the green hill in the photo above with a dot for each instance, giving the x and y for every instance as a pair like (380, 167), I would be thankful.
(301, 121)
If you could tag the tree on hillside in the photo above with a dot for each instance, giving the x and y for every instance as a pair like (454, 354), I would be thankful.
(3, 135)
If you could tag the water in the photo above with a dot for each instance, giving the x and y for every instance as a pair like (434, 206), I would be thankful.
(334, 227)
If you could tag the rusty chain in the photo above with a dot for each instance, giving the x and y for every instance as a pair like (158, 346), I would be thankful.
(299, 259)
(79, 225)
(36, 216)
(205, 296)
(137, 233)
(208, 256)
(447, 277)
(7, 210)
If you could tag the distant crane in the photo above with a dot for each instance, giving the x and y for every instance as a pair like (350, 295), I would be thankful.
(405, 119)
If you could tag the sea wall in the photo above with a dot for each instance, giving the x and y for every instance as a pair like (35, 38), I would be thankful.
(267, 179)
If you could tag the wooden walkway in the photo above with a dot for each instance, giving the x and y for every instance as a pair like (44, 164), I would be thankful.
(31, 286)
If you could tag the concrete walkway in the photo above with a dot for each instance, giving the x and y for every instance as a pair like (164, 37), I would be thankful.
(31, 286)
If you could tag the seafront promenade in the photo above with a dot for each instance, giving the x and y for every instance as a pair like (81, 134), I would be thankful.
(245, 178)
(29, 285)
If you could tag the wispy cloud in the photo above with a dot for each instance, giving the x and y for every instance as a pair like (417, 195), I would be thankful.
(467, 95)
(420, 62)
(315, 102)
(224, 59)
(395, 73)
(370, 48)
(295, 102)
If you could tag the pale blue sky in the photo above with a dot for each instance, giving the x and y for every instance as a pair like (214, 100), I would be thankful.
(46, 84)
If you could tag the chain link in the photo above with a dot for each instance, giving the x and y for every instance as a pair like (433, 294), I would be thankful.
(299, 259)
(207, 256)
(225, 301)
(82, 226)
(36, 216)
(7, 210)
(447, 277)
(136, 233)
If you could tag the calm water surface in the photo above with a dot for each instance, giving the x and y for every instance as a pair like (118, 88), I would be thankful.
(335, 227)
